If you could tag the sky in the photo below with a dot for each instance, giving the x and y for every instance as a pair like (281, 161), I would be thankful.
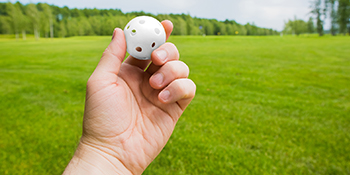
(263, 13)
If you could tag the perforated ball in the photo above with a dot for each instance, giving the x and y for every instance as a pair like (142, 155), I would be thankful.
(144, 34)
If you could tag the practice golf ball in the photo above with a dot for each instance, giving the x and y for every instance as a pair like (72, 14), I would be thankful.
(143, 35)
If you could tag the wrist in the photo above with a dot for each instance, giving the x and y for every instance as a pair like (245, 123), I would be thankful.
(90, 160)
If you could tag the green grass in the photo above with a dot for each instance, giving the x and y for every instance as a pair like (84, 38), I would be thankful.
(264, 105)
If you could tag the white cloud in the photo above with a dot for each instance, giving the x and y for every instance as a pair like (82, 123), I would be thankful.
(271, 13)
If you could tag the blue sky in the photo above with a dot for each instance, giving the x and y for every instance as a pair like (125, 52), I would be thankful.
(264, 13)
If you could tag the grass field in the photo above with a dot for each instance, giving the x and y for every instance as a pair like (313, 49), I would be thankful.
(264, 105)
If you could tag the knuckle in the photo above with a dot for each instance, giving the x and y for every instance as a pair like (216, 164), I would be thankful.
(106, 52)
(173, 70)
(177, 68)
(181, 87)
(171, 45)
(186, 87)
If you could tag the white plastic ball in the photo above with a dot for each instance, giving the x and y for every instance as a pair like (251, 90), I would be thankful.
(143, 34)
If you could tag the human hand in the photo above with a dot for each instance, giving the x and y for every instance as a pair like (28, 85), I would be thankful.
(131, 108)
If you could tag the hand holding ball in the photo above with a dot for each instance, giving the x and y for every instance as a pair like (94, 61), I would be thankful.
(143, 34)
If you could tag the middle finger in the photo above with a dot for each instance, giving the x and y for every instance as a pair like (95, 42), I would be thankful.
(171, 71)
(165, 53)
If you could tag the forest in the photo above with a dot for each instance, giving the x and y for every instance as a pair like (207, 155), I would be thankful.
(44, 20)
(337, 11)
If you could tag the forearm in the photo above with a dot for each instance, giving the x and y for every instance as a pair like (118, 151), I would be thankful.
(89, 160)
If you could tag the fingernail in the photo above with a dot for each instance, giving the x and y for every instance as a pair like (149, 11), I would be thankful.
(158, 78)
(113, 34)
(164, 95)
(162, 55)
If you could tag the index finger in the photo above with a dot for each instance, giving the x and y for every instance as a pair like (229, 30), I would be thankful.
(168, 27)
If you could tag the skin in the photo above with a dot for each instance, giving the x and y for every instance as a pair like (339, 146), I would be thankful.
(131, 108)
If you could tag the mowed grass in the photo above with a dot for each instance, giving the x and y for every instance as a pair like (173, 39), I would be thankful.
(264, 105)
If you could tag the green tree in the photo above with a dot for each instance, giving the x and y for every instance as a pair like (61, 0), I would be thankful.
(22, 19)
(242, 30)
(3, 9)
(76, 13)
(65, 12)
(190, 26)
(230, 29)
(108, 25)
(249, 29)
(5, 25)
(96, 24)
(333, 15)
(46, 20)
(288, 27)
(319, 13)
(180, 26)
(34, 16)
(84, 26)
(208, 27)
(121, 21)
(24, 26)
(72, 27)
(15, 15)
(344, 15)
(62, 29)
(220, 27)
(310, 25)
(297, 26)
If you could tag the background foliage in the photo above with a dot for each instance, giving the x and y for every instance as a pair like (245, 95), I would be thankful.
(64, 22)
(338, 11)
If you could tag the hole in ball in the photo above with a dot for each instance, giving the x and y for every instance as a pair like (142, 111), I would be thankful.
(157, 31)
(139, 49)
(142, 21)
(128, 27)
(133, 32)
(153, 44)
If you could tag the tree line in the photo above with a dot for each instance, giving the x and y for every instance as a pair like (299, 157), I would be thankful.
(44, 20)
(338, 11)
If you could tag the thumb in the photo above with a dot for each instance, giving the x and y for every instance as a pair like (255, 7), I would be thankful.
(113, 56)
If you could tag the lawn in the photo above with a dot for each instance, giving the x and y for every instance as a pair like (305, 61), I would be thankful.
(264, 105)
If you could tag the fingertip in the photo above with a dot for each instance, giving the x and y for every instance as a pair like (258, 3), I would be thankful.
(118, 44)
(165, 53)
(159, 56)
(181, 91)
(117, 33)
(114, 31)
(114, 54)
(168, 27)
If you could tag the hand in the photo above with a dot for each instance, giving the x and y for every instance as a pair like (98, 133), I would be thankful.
(131, 108)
